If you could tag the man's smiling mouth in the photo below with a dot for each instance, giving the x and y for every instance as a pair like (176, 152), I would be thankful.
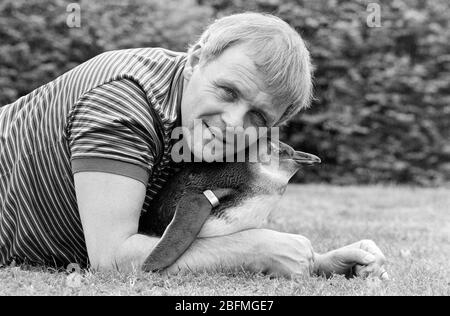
(218, 137)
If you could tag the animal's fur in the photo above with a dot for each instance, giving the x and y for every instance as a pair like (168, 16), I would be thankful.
(257, 188)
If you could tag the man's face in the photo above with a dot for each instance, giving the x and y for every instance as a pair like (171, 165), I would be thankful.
(226, 92)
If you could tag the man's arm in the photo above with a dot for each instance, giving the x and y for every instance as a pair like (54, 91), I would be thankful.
(110, 207)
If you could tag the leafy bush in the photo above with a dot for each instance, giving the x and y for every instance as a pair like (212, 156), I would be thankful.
(382, 108)
(36, 45)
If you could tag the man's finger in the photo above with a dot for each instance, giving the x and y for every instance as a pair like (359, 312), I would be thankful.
(371, 246)
(357, 256)
(372, 270)
(384, 275)
(362, 271)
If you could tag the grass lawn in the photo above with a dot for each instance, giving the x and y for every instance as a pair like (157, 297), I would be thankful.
(410, 225)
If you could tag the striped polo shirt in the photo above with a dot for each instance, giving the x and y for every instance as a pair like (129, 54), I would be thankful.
(113, 113)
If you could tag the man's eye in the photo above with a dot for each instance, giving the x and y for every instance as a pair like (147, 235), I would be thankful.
(259, 118)
(229, 94)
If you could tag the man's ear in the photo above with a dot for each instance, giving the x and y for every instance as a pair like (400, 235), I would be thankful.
(193, 60)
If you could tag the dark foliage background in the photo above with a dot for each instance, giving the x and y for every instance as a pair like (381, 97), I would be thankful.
(382, 108)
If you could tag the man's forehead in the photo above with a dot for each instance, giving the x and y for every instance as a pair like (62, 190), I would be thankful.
(236, 63)
(249, 78)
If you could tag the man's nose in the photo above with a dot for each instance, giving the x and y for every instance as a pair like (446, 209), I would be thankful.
(234, 116)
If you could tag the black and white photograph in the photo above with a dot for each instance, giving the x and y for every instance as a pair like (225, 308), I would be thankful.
(226, 154)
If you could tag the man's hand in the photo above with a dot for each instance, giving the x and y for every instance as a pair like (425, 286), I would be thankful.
(363, 259)
(285, 254)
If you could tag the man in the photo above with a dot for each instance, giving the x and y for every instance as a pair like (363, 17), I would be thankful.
(82, 156)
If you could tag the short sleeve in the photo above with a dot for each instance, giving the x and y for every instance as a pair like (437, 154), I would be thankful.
(112, 129)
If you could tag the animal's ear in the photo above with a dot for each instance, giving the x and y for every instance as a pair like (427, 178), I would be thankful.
(191, 213)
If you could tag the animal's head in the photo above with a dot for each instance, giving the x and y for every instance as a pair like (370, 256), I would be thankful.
(281, 162)
(261, 186)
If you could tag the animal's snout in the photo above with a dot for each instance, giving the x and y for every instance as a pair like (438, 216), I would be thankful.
(301, 157)
(286, 152)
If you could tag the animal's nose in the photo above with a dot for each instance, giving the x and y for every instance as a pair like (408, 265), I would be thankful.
(301, 157)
